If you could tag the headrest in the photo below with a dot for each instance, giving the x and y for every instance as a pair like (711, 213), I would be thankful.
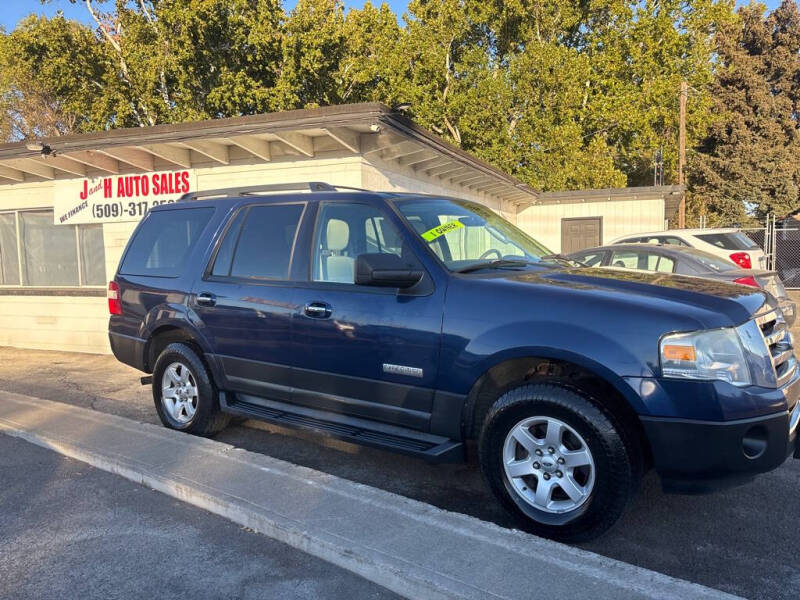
(338, 235)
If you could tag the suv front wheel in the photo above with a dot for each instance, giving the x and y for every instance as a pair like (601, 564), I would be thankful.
(184, 393)
(556, 461)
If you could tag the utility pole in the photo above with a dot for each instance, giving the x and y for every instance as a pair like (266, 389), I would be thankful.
(682, 153)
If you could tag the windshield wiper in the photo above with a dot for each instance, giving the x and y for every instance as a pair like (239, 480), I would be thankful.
(564, 259)
(497, 263)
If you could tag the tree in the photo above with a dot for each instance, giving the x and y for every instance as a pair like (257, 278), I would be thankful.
(748, 166)
(312, 49)
(639, 53)
(564, 95)
(179, 60)
(371, 67)
(54, 77)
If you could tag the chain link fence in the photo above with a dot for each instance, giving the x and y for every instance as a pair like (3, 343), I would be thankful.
(786, 252)
(780, 240)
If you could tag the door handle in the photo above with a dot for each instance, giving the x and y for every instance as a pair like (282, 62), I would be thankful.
(318, 310)
(206, 299)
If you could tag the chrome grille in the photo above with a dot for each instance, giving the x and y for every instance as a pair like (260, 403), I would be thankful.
(771, 285)
(779, 341)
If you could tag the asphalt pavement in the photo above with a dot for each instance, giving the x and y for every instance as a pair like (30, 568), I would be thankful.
(68, 530)
(743, 541)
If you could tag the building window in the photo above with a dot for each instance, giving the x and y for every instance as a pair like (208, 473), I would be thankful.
(34, 252)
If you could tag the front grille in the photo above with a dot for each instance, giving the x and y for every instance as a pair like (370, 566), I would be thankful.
(779, 341)
(771, 286)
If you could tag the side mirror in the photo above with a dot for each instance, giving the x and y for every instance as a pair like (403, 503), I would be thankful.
(385, 270)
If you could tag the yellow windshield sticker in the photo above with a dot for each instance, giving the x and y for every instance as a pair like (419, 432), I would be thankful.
(434, 233)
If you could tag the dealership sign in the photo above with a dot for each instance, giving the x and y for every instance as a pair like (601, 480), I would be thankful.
(118, 197)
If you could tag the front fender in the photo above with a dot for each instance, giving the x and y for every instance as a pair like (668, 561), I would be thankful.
(606, 357)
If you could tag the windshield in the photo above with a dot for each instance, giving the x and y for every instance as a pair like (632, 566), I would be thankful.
(463, 234)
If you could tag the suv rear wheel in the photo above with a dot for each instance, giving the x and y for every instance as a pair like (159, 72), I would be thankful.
(556, 461)
(184, 393)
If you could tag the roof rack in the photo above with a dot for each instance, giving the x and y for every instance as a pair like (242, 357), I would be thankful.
(253, 190)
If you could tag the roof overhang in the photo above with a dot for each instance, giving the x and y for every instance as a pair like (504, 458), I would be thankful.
(371, 130)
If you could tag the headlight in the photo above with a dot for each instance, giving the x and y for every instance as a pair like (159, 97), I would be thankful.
(713, 354)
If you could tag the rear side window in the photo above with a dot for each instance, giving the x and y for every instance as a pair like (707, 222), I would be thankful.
(642, 261)
(164, 241)
(266, 240)
(728, 241)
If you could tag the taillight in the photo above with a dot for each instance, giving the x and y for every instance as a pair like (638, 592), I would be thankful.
(749, 280)
(114, 303)
(742, 259)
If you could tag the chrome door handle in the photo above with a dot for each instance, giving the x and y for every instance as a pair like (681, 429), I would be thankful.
(206, 299)
(318, 310)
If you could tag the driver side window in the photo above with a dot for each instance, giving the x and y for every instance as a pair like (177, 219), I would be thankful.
(345, 231)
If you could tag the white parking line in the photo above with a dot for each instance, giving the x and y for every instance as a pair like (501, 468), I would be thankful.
(409, 547)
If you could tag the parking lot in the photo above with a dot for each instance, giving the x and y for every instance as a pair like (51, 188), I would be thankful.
(741, 540)
(115, 539)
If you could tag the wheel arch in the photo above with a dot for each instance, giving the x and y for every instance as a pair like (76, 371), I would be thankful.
(605, 388)
(166, 334)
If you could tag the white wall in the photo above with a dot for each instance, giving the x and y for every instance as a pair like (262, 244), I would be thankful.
(620, 217)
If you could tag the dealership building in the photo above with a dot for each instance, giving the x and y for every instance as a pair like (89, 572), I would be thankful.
(69, 204)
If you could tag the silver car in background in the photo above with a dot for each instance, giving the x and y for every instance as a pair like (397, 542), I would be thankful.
(726, 243)
(683, 260)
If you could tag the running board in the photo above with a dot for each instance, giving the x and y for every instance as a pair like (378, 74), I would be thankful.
(430, 447)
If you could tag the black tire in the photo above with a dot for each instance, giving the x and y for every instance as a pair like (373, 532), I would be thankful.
(207, 418)
(615, 471)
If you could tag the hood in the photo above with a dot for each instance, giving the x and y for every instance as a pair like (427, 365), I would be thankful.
(715, 303)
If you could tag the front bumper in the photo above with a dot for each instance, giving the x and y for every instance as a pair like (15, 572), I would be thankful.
(696, 455)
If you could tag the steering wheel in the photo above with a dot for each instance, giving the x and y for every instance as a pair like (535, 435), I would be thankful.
(490, 251)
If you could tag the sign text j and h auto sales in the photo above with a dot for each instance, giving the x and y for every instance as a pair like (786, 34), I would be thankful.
(118, 197)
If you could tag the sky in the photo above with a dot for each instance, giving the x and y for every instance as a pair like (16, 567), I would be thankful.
(14, 10)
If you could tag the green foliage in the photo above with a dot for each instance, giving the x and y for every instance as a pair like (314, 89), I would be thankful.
(312, 44)
(565, 95)
(53, 78)
(751, 155)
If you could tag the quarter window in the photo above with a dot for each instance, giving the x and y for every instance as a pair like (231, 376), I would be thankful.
(36, 252)
(164, 241)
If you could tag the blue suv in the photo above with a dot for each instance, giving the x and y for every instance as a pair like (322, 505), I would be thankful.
(420, 324)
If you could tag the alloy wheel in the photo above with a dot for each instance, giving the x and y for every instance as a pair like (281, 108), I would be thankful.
(548, 464)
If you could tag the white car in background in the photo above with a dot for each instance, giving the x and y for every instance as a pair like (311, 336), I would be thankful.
(730, 244)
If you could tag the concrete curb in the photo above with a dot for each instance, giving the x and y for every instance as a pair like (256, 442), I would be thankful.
(409, 547)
